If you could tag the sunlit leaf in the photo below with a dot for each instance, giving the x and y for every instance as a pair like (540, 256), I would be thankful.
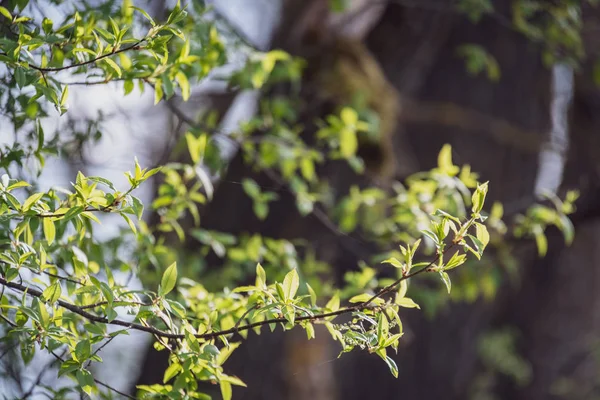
(169, 279)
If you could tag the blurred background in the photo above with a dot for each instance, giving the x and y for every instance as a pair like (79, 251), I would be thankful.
(512, 85)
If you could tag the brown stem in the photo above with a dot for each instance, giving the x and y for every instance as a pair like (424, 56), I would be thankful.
(135, 46)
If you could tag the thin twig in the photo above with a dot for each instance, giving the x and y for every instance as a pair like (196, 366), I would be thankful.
(103, 345)
(38, 380)
(98, 381)
(237, 324)
(135, 46)
(116, 303)
(64, 278)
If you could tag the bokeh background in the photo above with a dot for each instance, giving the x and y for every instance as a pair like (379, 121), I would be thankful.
(518, 103)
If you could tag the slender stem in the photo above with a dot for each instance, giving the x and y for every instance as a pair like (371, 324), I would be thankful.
(135, 46)
(98, 381)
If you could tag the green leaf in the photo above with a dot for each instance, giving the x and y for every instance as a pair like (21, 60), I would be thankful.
(334, 303)
(289, 313)
(169, 279)
(171, 372)
(145, 14)
(402, 288)
(6, 13)
(261, 276)
(113, 66)
(196, 146)
(20, 77)
(482, 234)
(86, 382)
(313, 295)
(34, 198)
(456, 260)
(406, 302)
(566, 226)
(83, 350)
(128, 86)
(64, 96)
(478, 197)
(445, 161)
(234, 380)
(129, 222)
(446, 279)
(184, 85)
(269, 59)
(392, 366)
(541, 242)
(349, 116)
(138, 207)
(13, 201)
(291, 282)
(52, 293)
(104, 181)
(393, 261)
(383, 328)
(17, 185)
(348, 142)
(478, 246)
(361, 298)
(49, 230)
(310, 331)
(95, 329)
(226, 391)
(226, 353)
(251, 188)
(280, 291)
(158, 91)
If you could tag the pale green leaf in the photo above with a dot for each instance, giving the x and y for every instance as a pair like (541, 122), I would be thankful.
(49, 230)
(291, 282)
(169, 279)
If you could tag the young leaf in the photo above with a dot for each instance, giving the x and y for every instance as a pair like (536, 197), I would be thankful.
(406, 302)
(49, 230)
(171, 371)
(34, 198)
(226, 391)
(168, 280)
(402, 288)
(280, 292)
(261, 276)
(445, 161)
(392, 366)
(393, 261)
(482, 234)
(361, 298)
(113, 66)
(478, 197)
(383, 328)
(291, 282)
(313, 295)
(4, 11)
(52, 293)
(348, 142)
(334, 303)
(541, 242)
(456, 260)
(446, 279)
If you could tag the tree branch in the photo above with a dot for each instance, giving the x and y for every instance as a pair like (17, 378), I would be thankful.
(33, 292)
(135, 46)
